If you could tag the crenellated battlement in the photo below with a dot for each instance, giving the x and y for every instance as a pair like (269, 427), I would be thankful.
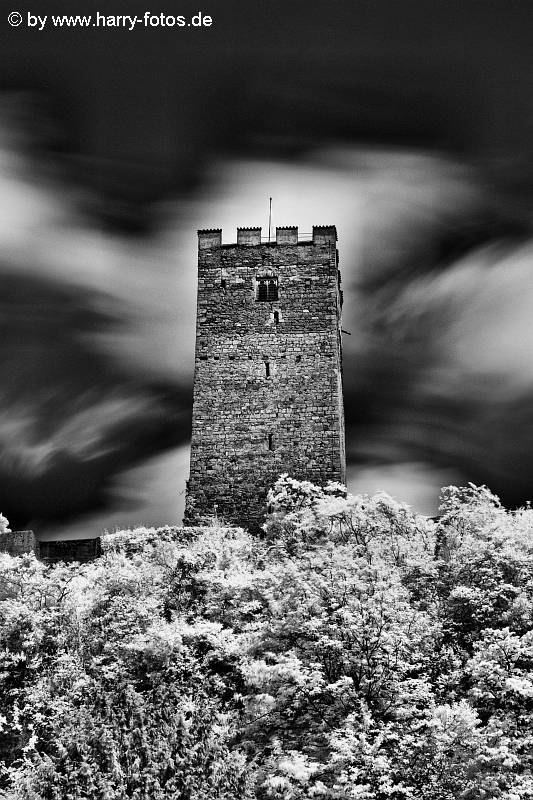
(248, 237)
(288, 235)
(324, 234)
(211, 238)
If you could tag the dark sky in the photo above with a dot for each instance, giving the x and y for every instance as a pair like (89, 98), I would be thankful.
(141, 111)
(123, 130)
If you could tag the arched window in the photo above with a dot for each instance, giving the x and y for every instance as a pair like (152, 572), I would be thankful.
(266, 289)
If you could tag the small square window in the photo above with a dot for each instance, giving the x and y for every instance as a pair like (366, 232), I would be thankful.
(266, 289)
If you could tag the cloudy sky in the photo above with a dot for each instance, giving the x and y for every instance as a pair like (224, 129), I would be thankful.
(407, 125)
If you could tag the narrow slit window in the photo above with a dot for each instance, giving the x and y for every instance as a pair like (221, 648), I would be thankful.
(223, 283)
(276, 317)
(266, 289)
(270, 441)
(267, 369)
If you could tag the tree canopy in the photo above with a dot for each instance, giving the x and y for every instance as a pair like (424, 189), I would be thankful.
(356, 650)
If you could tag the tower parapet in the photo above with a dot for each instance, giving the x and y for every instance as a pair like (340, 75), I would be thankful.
(268, 384)
(324, 234)
(287, 235)
(248, 237)
(210, 238)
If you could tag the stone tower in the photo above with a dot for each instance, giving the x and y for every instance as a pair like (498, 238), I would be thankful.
(267, 383)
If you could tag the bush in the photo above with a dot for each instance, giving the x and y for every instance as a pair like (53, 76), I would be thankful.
(357, 650)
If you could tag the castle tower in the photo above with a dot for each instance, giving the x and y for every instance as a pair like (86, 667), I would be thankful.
(267, 383)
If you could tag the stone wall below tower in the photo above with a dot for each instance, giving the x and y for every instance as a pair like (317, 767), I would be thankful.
(17, 543)
(68, 550)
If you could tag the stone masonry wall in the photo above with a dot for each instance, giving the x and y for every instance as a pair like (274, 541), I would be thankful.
(68, 550)
(268, 385)
(134, 541)
(16, 543)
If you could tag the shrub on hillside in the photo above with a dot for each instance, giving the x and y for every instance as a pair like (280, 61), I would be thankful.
(357, 650)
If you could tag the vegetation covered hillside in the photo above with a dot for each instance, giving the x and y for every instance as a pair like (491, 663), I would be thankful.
(355, 651)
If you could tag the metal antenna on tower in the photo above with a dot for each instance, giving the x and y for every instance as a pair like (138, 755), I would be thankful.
(269, 219)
